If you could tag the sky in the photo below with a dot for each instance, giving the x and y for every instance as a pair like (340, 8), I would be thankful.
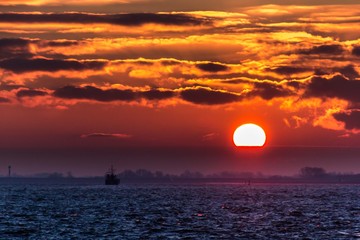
(162, 85)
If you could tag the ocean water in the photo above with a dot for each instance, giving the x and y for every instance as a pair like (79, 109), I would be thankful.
(179, 211)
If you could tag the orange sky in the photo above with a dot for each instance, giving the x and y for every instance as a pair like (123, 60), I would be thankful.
(160, 74)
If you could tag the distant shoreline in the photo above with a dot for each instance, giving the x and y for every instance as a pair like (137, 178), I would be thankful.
(240, 181)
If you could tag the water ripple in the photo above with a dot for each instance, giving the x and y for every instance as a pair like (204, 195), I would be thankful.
(180, 212)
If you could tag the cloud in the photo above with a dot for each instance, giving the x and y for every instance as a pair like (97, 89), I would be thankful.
(93, 93)
(14, 47)
(198, 95)
(30, 93)
(27, 48)
(106, 135)
(13, 42)
(9, 87)
(288, 70)
(351, 118)
(331, 49)
(294, 84)
(126, 19)
(170, 62)
(61, 43)
(22, 65)
(109, 95)
(211, 67)
(269, 91)
(156, 94)
(356, 51)
(4, 100)
(335, 87)
(348, 71)
(208, 96)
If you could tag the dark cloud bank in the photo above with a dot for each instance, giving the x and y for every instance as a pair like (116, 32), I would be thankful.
(336, 87)
(126, 19)
(97, 94)
(30, 93)
(4, 100)
(212, 67)
(351, 119)
(195, 95)
(22, 65)
(331, 49)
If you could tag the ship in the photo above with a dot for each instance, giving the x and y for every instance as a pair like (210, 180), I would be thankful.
(111, 178)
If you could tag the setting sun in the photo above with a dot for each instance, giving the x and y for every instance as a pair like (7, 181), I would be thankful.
(249, 135)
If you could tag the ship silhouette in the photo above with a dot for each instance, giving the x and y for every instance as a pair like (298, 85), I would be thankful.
(111, 178)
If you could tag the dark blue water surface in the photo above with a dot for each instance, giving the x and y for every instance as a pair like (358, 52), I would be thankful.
(182, 211)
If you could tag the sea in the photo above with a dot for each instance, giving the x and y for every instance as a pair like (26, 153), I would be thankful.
(45, 210)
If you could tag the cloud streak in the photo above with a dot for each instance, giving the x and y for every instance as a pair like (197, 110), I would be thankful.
(106, 135)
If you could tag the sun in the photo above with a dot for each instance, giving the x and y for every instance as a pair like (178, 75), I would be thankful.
(249, 135)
